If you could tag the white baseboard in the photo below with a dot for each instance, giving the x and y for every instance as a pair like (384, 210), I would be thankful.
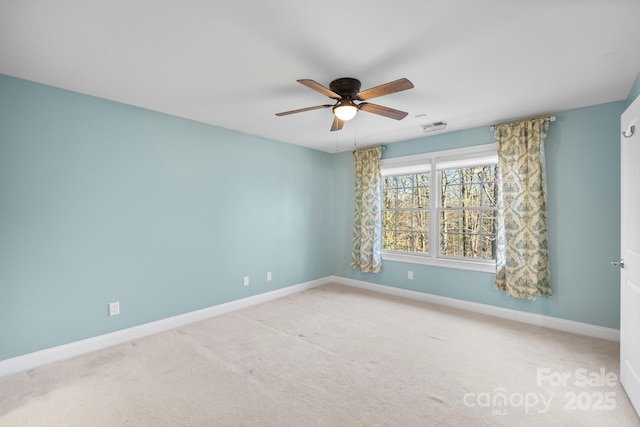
(55, 354)
(580, 328)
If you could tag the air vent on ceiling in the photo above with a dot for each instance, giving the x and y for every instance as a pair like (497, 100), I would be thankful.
(433, 127)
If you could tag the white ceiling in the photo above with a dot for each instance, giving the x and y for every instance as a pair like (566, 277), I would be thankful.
(235, 63)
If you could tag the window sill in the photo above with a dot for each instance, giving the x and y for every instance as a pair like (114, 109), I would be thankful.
(486, 267)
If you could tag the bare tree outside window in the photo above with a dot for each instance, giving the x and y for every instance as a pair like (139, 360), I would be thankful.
(468, 212)
(405, 213)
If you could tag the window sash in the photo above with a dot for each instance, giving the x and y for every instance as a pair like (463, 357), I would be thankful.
(436, 163)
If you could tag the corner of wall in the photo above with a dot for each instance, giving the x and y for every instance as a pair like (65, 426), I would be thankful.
(635, 91)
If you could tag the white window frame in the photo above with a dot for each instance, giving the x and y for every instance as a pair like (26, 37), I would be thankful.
(435, 162)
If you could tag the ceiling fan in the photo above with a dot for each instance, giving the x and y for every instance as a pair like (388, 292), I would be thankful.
(346, 91)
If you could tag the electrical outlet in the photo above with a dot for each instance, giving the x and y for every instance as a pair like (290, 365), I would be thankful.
(114, 308)
(246, 280)
(410, 275)
(268, 276)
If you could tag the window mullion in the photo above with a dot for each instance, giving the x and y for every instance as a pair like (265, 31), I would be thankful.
(434, 217)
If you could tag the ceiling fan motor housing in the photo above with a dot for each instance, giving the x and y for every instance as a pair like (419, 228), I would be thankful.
(346, 87)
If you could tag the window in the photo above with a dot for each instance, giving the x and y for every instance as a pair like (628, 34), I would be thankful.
(467, 212)
(440, 208)
(405, 213)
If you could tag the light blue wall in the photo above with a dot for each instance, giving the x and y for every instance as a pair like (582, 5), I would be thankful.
(583, 162)
(103, 202)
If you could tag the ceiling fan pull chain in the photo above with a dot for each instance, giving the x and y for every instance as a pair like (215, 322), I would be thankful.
(355, 134)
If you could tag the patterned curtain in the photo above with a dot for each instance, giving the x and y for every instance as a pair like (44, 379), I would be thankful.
(367, 226)
(523, 254)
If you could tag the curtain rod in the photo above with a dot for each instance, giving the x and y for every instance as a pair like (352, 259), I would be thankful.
(384, 147)
(493, 127)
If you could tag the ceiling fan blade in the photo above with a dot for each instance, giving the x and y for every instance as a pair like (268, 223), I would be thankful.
(337, 124)
(382, 111)
(317, 107)
(318, 87)
(385, 89)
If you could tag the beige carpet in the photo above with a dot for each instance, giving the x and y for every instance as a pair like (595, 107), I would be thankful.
(332, 356)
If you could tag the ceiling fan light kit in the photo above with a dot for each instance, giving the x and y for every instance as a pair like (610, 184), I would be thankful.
(346, 91)
(345, 110)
